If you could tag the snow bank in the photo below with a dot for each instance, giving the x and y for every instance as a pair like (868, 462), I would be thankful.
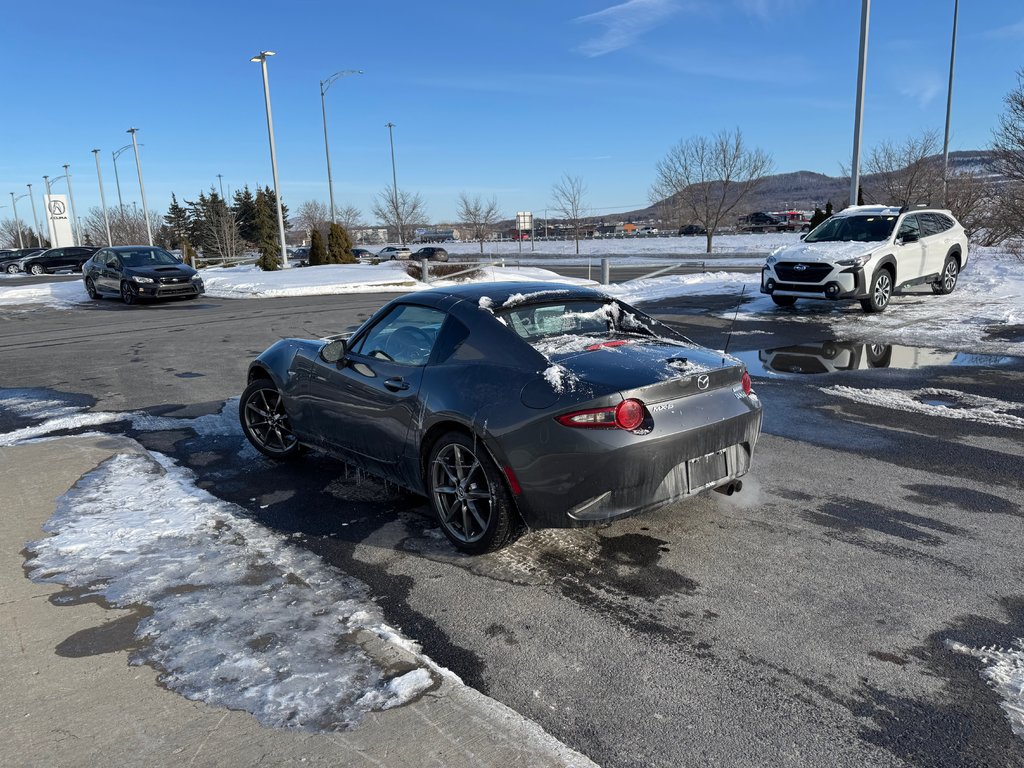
(1005, 674)
(944, 403)
(63, 293)
(671, 286)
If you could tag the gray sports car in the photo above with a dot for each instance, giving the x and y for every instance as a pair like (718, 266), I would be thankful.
(510, 404)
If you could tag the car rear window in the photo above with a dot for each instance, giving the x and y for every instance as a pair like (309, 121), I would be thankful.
(561, 325)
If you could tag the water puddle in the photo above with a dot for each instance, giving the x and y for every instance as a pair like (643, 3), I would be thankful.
(838, 356)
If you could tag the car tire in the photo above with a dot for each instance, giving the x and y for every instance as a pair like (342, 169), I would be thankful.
(128, 294)
(948, 278)
(879, 293)
(13, 269)
(266, 423)
(784, 301)
(469, 495)
(37, 269)
(90, 288)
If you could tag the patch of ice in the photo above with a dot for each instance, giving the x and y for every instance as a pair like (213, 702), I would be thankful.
(1005, 673)
(239, 617)
(969, 407)
(73, 419)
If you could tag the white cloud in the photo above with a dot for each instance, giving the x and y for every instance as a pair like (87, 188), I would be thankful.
(1010, 31)
(768, 9)
(923, 88)
(625, 23)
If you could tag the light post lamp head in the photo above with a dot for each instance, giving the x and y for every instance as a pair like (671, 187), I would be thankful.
(261, 56)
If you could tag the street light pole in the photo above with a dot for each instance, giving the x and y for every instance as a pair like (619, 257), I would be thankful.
(324, 86)
(17, 224)
(103, 197)
(117, 179)
(142, 187)
(35, 219)
(261, 57)
(220, 178)
(54, 243)
(76, 230)
(949, 106)
(865, 13)
(394, 182)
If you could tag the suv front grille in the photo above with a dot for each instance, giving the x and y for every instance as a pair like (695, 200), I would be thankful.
(802, 272)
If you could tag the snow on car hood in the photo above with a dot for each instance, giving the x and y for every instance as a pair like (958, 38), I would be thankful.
(826, 251)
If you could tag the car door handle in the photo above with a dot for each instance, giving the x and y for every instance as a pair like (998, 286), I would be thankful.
(396, 384)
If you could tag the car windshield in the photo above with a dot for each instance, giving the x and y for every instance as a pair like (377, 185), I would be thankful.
(146, 257)
(859, 229)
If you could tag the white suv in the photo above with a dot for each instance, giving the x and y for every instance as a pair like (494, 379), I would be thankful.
(869, 252)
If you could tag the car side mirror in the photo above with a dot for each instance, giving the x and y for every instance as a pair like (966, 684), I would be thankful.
(909, 237)
(803, 236)
(333, 351)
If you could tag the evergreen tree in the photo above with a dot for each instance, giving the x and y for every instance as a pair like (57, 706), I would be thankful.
(272, 200)
(245, 214)
(177, 222)
(266, 234)
(317, 255)
(339, 246)
(828, 210)
(818, 217)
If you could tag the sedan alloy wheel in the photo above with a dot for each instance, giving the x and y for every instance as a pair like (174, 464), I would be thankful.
(128, 294)
(37, 269)
(12, 269)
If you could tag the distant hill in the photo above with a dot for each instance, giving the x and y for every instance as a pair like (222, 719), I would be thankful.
(803, 190)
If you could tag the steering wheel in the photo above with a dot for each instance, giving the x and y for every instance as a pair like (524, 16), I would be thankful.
(409, 345)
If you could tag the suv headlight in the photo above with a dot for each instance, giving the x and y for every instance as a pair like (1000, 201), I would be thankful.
(138, 279)
(771, 261)
(856, 261)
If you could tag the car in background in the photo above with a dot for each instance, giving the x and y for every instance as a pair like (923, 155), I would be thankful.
(692, 229)
(13, 260)
(869, 253)
(38, 261)
(431, 253)
(761, 222)
(583, 409)
(136, 272)
(394, 252)
(362, 254)
(648, 231)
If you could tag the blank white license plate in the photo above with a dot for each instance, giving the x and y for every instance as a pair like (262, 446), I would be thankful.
(707, 470)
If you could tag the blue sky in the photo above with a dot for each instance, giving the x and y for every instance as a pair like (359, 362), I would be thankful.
(490, 98)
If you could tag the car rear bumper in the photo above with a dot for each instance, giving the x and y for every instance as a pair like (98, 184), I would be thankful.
(586, 477)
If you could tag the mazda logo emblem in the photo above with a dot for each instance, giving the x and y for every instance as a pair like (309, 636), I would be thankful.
(800, 267)
(703, 381)
(57, 208)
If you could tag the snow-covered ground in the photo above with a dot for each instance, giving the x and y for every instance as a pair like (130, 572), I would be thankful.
(749, 243)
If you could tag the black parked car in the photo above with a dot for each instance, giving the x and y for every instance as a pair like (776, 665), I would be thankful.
(507, 403)
(692, 229)
(431, 253)
(136, 272)
(362, 254)
(55, 259)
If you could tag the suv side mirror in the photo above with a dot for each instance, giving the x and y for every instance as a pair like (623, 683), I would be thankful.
(909, 237)
(333, 351)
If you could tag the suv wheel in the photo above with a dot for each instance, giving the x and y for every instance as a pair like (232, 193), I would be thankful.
(879, 293)
(784, 301)
(947, 280)
(37, 269)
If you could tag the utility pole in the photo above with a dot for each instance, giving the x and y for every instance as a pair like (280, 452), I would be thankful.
(324, 86)
(220, 178)
(949, 107)
(76, 229)
(17, 224)
(142, 187)
(35, 219)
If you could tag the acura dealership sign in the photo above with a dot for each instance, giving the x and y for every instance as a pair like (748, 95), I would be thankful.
(58, 219)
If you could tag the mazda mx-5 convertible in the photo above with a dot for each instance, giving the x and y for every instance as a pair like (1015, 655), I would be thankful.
(509, 404)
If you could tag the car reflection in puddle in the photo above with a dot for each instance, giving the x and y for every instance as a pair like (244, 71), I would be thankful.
(835, 356)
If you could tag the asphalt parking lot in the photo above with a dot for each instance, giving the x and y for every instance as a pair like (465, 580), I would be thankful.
(806, 621)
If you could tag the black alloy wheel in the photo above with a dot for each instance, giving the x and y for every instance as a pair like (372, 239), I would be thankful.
(879, 293)
(469, 495)
(128, 294)
(90, 288)
(948, 278)
(266, 423)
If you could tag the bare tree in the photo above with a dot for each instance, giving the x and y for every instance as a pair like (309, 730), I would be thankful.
(349, 217)
(568, 198)
(478, 216)
(709, 176)
(127, 227)
(9, 234)
(904, 174)
(313, 215)
(222, 239)
(969, 197)
(1008, 144)
(401, 213)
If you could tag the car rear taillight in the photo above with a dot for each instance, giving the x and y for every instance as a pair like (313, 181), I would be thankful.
(745, 381)
(627, 415)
